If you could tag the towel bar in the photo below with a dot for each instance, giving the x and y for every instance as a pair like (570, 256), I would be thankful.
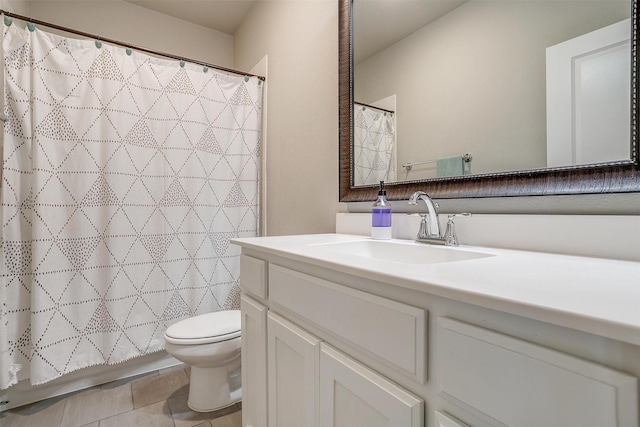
(467, 157)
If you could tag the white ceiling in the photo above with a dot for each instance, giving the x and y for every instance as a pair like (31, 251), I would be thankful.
(220, 15)
(378, 23)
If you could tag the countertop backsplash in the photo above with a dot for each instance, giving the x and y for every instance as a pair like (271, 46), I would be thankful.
(602, 236)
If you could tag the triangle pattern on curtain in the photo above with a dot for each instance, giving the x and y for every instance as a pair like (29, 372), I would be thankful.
(100, 194)
(141, 135)
(124, 178)
(104, 67)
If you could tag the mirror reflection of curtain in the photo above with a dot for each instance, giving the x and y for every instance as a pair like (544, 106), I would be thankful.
(374, 140)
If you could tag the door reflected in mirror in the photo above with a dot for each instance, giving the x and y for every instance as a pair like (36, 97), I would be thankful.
(481, 87)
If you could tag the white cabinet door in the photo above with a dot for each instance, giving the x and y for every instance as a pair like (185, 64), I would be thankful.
(254, 362)
(293, 365)
(352, 395)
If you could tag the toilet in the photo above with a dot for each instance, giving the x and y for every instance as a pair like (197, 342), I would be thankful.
(210, 343)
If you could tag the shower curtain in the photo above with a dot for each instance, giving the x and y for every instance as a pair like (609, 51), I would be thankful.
(124, 177)
(374, 146)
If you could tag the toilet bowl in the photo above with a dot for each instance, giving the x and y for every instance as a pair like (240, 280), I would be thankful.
(210, 343)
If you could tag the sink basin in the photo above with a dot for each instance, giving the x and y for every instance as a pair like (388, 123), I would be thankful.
(401, 252)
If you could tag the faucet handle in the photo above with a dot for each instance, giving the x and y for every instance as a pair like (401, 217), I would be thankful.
(450, 236)
(423, 232)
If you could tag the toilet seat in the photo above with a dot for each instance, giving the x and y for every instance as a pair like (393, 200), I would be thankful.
(205, 329)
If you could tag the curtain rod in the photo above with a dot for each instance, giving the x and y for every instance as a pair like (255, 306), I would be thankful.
(116, 42)
(374, 107)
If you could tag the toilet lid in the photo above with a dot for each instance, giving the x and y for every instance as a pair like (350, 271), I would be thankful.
(205, 328)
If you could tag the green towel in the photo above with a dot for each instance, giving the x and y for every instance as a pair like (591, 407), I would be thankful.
(450, 166)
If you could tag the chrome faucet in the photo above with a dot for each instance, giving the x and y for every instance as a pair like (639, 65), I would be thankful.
(432, 228)
(429, 231)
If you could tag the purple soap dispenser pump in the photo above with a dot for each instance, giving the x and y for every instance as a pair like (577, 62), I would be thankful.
(381, 216)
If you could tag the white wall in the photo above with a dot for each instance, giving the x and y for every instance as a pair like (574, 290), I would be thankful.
(132, 24)
(301, 41)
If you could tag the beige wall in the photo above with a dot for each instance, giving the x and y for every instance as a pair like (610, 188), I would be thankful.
(128, 23)
(301, 41)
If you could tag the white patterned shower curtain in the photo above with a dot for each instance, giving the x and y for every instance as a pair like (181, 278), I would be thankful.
(374, 146)
(124, 177)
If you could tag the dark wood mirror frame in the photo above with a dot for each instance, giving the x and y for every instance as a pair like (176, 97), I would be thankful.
(617, 177)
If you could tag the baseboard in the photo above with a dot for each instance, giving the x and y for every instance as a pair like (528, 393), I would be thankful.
(24, 393)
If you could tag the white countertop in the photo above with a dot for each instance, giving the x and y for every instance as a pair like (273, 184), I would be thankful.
(595, 295)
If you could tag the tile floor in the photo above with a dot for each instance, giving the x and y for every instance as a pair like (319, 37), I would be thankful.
(157, 399)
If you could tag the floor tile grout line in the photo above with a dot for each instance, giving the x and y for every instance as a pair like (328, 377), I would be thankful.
(129, 382)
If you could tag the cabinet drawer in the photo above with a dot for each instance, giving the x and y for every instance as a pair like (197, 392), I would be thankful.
(390, 332)
(523, 384)
(253, 276)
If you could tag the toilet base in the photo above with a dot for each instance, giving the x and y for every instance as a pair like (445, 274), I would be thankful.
(211, 389)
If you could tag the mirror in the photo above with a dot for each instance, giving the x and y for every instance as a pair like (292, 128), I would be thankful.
(481, 155)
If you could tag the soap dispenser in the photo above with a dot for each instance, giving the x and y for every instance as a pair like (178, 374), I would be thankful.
(381, 216)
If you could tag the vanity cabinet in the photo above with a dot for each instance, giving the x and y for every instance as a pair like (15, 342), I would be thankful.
(309, 382)
(328, 347)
